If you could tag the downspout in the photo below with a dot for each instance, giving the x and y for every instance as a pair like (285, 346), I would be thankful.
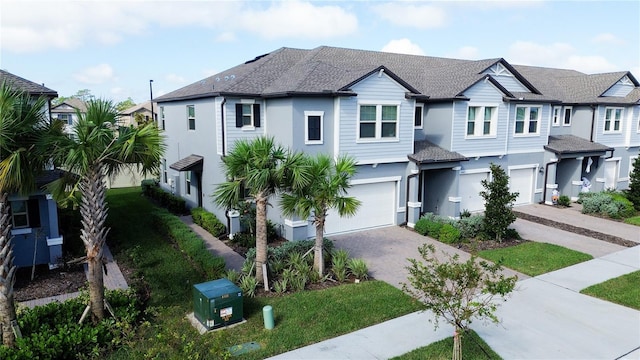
(406, 205)
(593, 121)
(222, 141)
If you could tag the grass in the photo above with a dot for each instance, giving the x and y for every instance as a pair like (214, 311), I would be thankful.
(301, 318)
(534, 258)
(473, 347)
(623, 290)
(633, 220)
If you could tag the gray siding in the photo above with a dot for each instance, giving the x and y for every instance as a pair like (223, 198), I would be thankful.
(436, 125)
(580, 123)
(613, 139)
(518, 143)
(300, 105)
(281, 128)
(234, 133)
(383, 90)
(619, 90)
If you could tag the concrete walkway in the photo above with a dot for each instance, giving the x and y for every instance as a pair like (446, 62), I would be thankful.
(545, 318)
(233, 259)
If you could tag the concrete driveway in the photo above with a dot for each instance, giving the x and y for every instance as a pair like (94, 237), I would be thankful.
(386, 251)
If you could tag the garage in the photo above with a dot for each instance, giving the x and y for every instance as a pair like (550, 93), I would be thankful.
(470, 187)
(521, 181)
(378, 208)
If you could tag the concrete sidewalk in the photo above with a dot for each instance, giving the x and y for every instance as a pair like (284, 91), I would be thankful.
(232, 259)
(542, 320)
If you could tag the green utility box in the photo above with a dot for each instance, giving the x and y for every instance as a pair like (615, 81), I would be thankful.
(217, 303)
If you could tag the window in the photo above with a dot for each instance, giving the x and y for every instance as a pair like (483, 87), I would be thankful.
(527, 119)
(187, 180)
(66, 118)
(164, 171)
(417, 121)
(162, 117)
(612, 119)
(191, 117)
(313, 127)
(481, 120)
(378, 122)
(557, 113)
(247, 115)
(20, 214)
(567, 116)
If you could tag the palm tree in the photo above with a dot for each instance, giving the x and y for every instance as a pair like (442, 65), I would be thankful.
(99, 148)
(261, 168)
(328, 190)
(23, 124)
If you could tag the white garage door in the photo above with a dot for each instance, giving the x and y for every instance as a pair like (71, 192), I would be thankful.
(470, 187)
(611, 169)
(378, 208)
(521, 181)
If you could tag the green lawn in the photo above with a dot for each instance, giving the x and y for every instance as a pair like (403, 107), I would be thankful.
(623, 290)
(633, 220)
(301, 318)
(534, 258)
(473, 347)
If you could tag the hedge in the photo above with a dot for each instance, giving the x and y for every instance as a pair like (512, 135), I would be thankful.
(208, 221)
(189, 242)
(175, 204)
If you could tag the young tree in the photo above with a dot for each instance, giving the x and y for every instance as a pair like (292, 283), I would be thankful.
(23, 156)
(125, 104)
(458, 292)
(328, 190)
(100, 148)
(498, 203)
(261, 168)
(633, 193)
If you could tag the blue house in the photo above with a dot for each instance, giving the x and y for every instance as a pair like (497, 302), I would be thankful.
(35, 231)
(423, 130)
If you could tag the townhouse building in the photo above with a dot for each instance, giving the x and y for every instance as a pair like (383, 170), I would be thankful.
(423, 130)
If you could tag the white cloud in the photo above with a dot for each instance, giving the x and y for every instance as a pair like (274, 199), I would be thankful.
(558, 55)
(297, 19)
(409, 15)
(402, 46)
(607, 38)
(467, 53)
(226, 37)
(95, 74)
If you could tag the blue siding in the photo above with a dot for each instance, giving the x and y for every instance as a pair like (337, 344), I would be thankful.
(436, 126)
(619, 90)
(24, 244)
(613, 139)
(234, 133)
(481, 93)
(529, 143)
(300, 105)
(381, 89)
(511, 83)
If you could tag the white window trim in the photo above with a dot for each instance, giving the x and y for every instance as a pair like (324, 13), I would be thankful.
(251, 127)
(187, 182)
(306, 127)
(612, 127)
(557, 120)
(162, 118)
(479, 123)
(564, 113)
(421, 106)
(189, 118)
(378, 136)
(527, 120)
(165, 175)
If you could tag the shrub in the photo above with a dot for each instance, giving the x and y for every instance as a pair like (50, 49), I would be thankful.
(190, 243)
(512, 233)
(339, 264)
(470, 227)
(633, 193)
(498, 203)
(208, 221)
(174, 204)
(52, 331)
(449, 234)
(564, 200)
(433, 229)
(280, 286)
(244, 239)
(421, 226)
(358, 268)
(591, 204)
(625, 206)
(232, 275)
(248, 285)
(465, 214)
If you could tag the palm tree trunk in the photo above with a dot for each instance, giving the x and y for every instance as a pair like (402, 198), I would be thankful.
(94, 234)
(318, 257)
(7, 275)
(261, 236)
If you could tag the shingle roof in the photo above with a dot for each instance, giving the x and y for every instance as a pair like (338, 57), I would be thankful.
(188, 163)
(26, 85)
(428, 152)
(145, 106)
(329, 70)
(571, 144)
(75, 103)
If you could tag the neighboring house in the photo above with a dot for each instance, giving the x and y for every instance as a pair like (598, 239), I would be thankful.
(36, 237)
(133, 115)
(67, 112)
(423, 130)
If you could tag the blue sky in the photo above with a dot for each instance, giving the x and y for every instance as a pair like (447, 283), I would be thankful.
(114, 48)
